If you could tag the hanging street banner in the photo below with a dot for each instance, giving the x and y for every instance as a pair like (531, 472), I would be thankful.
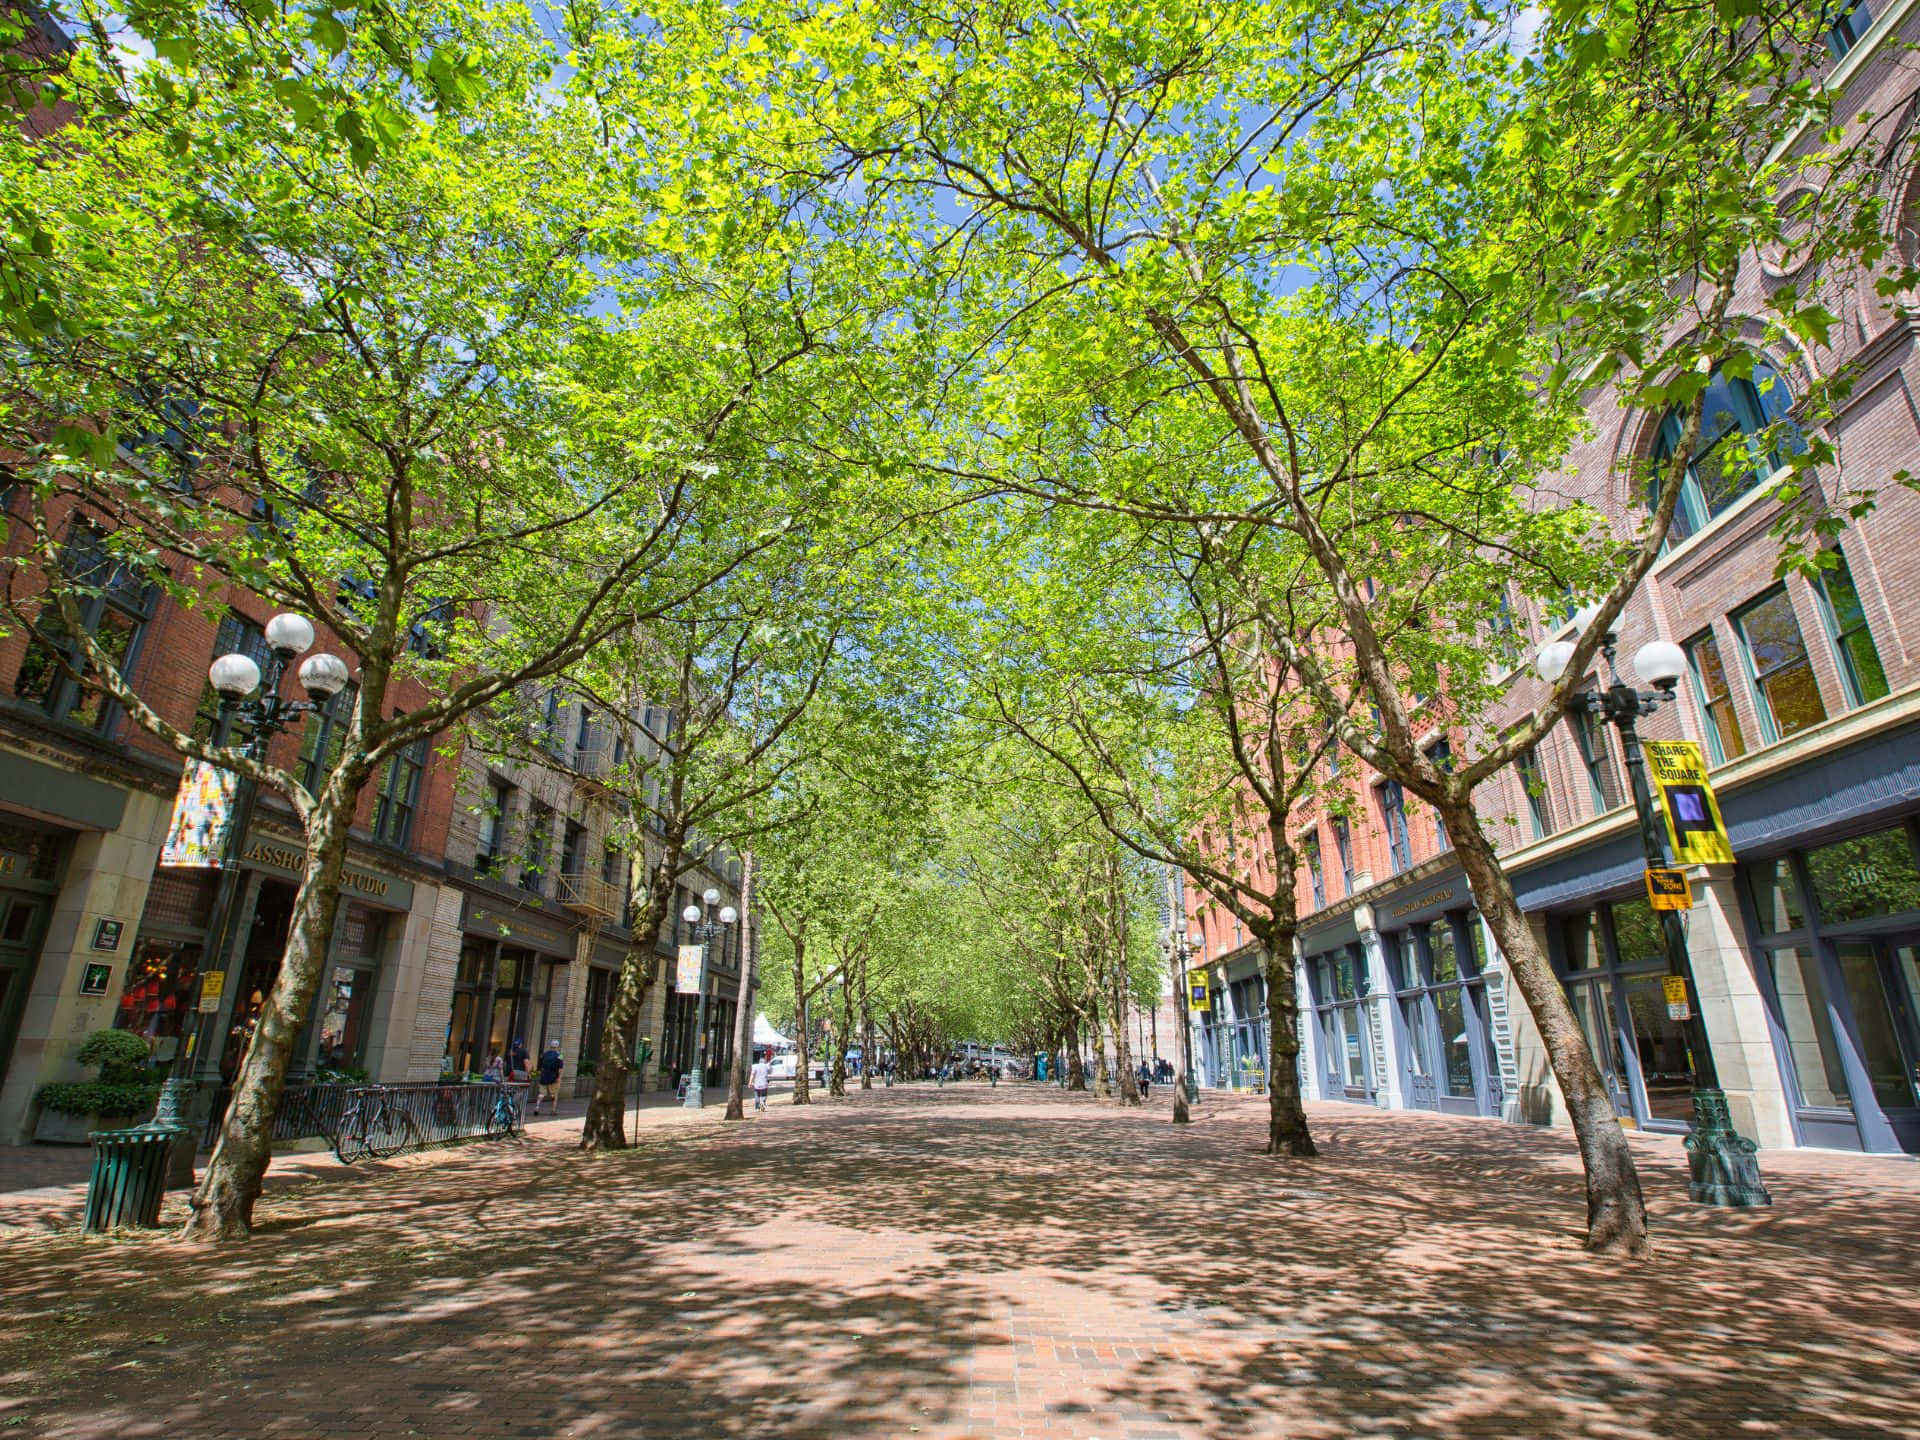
(1679, 775)
(202, 817)
(1197, 998)
(686, 970)
(1668, 890)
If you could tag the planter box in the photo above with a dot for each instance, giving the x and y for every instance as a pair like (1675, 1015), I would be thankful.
(56, 1127)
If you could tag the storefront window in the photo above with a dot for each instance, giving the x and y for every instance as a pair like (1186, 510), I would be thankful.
(1582, 933)
(1420, 1047)
(1863, 877)
(160, 994)
(1811, 1042)
(1454, 1042)
(1595, 1014)
(1637, 934)
(1666, 1065)
(345, 1001)
(1880, 1052)
(1776, 896)
(1440, 940)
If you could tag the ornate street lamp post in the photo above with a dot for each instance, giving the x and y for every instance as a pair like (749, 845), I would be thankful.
(234, 678)
(1725, 1169)
(706, 926)
(1187, 1092)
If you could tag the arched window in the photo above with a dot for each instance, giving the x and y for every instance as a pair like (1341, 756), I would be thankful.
(1730, 457)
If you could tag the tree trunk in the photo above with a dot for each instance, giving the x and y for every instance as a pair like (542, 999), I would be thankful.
(1616, 1209)
(224, 1200)
(1287, 1132)
(837, 1080)
(606, 1127)
(1122, 1046)
(1102, 1072)
(743, 1008)
(1076, 1061)
(866, 1031)
(802, 1042)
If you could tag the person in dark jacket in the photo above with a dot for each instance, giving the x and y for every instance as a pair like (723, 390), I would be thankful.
(550, 1067)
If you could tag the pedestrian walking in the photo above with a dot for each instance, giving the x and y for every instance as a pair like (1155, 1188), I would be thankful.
(496, 1071)
(517, 1060)
(550, 1067)
(1146, 1082)
(760, 1078)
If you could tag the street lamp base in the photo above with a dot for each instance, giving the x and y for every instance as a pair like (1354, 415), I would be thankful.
(1724, 1165)
(696, 1096)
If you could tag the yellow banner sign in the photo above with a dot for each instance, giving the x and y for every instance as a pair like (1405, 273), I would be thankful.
(1679, 775)
(1197, 998)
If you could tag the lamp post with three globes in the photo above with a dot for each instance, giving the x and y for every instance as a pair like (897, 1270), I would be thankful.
(1724, 1168)
(707, 926)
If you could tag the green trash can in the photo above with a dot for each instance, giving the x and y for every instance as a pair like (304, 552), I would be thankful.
(129, 1176)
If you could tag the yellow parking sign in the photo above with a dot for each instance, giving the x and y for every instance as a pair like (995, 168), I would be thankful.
(1679, 775)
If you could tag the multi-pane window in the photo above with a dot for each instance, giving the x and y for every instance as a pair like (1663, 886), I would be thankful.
(1603, 780)
(1393, 810)
(573, 848)
(1505, 645)
(1847, 21)
(1534, 785)
(491, 852)
(399, 793)
(325, 736)
(1785, 691)
(1715, 694)
(1441, 754)
(236, 636)
(1343, 847)
(1861, 672)
(1310, 854)
(1730, 457)
(533, 860)
(114, 606)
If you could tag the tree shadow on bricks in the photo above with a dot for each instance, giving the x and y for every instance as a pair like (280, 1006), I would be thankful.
(973, 1262)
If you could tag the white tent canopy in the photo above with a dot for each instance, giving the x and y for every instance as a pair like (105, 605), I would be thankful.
(765, 1034)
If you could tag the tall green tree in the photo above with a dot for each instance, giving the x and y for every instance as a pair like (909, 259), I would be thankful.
(400, 365)
(1376, 255)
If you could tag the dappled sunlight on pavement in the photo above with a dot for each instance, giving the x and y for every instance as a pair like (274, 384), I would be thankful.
(969, 1262)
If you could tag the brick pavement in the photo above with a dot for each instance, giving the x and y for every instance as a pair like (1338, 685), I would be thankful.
(965, 1263)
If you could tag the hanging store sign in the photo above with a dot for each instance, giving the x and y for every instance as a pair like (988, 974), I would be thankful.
(686, 970)
(202, 817)
(1675, 989)
(1197, 997)
(1668, 889)
(1679, 773)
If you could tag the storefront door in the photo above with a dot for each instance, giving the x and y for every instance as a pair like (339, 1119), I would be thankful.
(1594, 1010)
(23, 921)
(1881, 979)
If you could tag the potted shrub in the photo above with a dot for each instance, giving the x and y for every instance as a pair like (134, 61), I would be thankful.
(123, 1094)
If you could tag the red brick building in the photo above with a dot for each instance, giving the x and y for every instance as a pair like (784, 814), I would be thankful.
(93, 933)
(1805, 697)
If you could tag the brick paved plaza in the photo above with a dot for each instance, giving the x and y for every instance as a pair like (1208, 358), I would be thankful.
(964, 1262)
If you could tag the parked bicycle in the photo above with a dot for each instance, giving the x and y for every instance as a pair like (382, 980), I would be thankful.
(504, 1118)
(375, 1124)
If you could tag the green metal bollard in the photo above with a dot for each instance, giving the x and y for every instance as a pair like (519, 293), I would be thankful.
(129, 1176)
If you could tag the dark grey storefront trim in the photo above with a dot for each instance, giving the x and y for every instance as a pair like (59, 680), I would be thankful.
(34, 785)
(1828, 795)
